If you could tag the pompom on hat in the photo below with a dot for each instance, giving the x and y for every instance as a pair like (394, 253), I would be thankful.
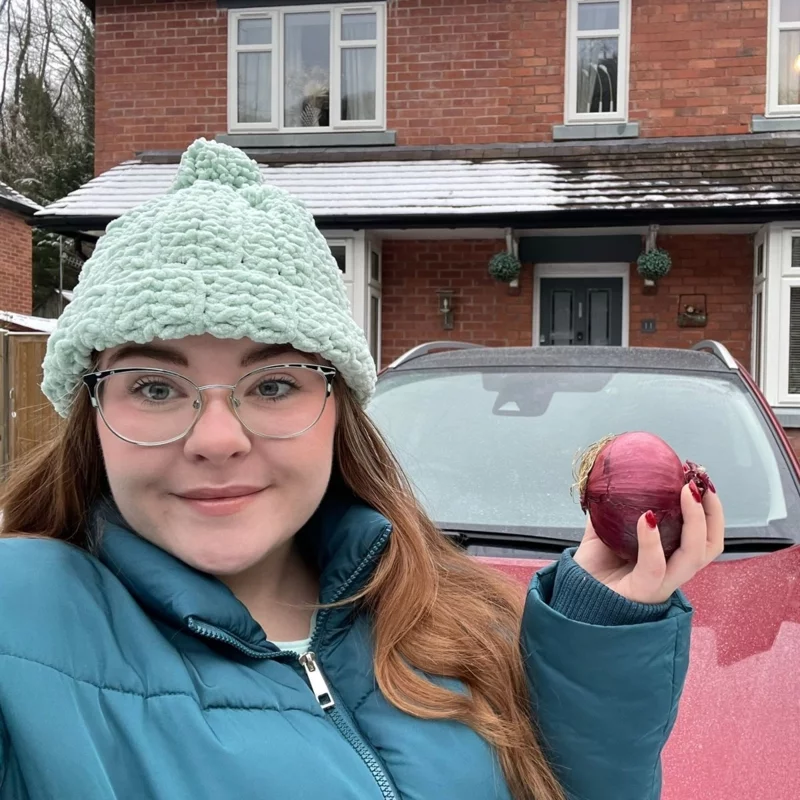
(220, 253)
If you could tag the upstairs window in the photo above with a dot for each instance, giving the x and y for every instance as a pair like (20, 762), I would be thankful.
(306, 67)
(598, 44)
(783, 83)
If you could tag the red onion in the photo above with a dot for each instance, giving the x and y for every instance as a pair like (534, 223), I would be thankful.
(622, 477)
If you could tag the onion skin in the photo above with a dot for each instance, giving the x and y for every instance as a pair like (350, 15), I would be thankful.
(629, 475)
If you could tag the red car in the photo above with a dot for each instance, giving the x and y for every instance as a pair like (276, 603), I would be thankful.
(488, 437)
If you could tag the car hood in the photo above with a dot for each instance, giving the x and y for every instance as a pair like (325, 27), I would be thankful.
(737, 736)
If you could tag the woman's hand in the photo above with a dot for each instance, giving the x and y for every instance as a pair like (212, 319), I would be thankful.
(653, 579)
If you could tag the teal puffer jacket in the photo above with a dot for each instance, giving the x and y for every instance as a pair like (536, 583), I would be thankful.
(130, 675)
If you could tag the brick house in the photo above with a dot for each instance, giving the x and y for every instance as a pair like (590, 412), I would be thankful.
(428, 135)
(16, 251)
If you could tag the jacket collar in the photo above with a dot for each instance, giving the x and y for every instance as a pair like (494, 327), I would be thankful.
(344, 537)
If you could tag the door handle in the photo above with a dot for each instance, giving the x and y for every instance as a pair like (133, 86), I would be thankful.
(580, 310)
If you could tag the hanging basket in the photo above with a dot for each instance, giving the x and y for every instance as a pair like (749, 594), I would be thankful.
(654, 264)
(505, 267)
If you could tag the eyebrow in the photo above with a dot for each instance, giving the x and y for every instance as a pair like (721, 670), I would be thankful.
(170, 355)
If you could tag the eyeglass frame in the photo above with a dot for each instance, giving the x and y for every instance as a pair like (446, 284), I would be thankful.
(92, 381)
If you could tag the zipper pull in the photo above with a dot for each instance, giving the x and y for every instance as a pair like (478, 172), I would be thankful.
(318, 684)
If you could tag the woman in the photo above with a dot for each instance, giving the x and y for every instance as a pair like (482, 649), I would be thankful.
(218, 584)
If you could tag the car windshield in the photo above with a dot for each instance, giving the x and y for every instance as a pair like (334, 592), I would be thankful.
(493, 450)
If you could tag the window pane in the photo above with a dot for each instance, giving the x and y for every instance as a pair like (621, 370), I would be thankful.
(255, 31)
(340, 254)
(599, 16)
(789, 68)
(359, 27)
(599, 316)
(254, 87)
(375, 267)
(758, 323)
(561, 317)
(307, 69)
(359, 74)
(374, 324)
(790, 10)
(795, 252)
(794, 341)
(597, 75)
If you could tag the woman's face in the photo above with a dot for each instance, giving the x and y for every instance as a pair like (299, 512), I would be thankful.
(221, 499)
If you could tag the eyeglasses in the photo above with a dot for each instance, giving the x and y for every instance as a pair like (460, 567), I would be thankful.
(152, 407)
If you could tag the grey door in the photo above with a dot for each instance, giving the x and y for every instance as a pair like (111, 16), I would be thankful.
(580, 311)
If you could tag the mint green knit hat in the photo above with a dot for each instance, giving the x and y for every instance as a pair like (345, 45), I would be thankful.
(220, 253)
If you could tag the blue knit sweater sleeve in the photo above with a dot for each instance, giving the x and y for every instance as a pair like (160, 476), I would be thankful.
(581, 597)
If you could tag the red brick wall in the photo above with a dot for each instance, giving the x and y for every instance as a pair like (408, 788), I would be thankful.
(698, 68)
(16, 263)
(719, 266)
(161, 75)
(483, 310)
(459, 72)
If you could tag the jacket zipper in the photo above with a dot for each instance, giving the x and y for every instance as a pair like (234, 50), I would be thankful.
(326, 700)
(319, 686)
(324, 695)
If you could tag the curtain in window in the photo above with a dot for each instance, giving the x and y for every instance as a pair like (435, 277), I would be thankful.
(789, 68)
(306, 64)
(254, 87)
(359, 68)
(597, 75)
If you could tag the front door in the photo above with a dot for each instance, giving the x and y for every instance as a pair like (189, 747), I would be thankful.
(580, 311)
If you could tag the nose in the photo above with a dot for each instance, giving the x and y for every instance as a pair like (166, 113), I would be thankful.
(217, 435)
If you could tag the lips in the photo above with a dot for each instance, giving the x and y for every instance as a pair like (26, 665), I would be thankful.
(220, 501)
(219, 492)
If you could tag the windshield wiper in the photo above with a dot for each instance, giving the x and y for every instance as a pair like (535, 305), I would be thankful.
(516, 541)
(473, 536)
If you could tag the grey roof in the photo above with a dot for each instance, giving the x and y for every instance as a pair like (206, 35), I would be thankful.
(696, 180)
(658, 358)
(13, 200)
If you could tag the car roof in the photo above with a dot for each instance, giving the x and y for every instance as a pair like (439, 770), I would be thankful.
(653, 358)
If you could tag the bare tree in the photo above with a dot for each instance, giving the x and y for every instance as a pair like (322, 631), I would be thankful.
(46, 109)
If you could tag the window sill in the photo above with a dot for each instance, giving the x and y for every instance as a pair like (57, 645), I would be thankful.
(596, 130)
(762, 124)
(321, 139)
(788, 416)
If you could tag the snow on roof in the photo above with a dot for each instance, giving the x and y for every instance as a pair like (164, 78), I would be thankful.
(345, 188)
(26, 321)
(386, 184)
(17, 200)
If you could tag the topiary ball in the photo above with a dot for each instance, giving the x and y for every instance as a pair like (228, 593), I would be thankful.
(505, 267)
(654, 265)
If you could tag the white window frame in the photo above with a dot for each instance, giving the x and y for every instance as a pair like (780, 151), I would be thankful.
(789, 278)
(374, 290)
(773, 63)
(758, 355)
(780, 279)
(337, 45)
(348, 275)
(571, 116)
(360, 285)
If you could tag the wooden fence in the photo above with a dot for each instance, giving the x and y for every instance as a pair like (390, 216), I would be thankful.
(26, 417)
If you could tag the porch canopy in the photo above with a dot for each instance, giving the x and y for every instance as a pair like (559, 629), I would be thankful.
(747, 179)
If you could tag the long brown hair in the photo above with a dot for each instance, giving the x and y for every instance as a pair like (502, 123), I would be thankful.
(434, 608)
